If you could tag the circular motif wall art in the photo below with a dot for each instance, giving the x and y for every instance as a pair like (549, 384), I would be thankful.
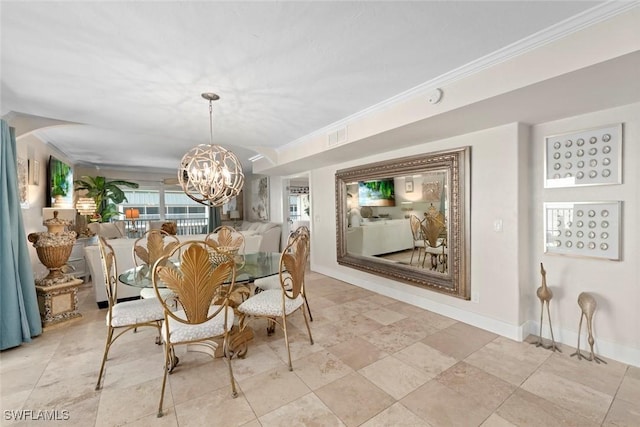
(590, 229)
(588, 157)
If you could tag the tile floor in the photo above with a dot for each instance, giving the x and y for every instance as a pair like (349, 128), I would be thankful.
(375, 362)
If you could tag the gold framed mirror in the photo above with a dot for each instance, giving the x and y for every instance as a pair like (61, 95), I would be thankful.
(407, 219)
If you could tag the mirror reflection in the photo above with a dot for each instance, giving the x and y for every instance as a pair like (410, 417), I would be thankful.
(400, 219)
(406, 219)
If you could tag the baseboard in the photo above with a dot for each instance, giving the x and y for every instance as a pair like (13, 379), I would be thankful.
(399, 292)
(604, 348)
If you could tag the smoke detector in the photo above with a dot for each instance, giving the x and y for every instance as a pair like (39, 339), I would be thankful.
(435, 96)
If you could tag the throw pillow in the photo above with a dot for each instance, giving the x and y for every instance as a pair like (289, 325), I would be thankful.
(109, 230)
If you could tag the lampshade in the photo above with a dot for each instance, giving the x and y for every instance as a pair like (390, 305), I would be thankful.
(210, 174)
(234, 214)
(86, 206)
(132, 213)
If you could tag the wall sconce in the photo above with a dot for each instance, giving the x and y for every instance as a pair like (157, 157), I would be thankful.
(132, 215)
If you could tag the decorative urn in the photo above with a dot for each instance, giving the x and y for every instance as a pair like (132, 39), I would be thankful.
(54, 247)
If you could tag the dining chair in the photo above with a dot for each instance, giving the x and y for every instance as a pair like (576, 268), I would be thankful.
(278, 304)
(147, 249)
(273, 282)
(123, 316)
(227, 239)
(203, 294)
(433, 229)
(418, 237)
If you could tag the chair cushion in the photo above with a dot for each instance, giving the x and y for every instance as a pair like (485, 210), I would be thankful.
(151, 293)
(269, 303)
(137, 311)
(183, 332)
(269, 282)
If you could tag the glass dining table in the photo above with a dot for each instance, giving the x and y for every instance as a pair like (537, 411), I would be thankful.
(254, 266)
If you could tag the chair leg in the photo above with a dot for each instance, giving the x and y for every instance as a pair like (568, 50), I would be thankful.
(159, 337)
(308, 309)
(167, 363)
(107, 346)
(286, 338)
(227, 355)
(308, 328)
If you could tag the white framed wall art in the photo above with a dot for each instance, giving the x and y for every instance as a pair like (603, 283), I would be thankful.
(587, 229)
(585, 157)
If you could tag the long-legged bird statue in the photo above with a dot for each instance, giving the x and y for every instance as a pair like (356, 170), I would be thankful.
(587, 304)
(545, 295)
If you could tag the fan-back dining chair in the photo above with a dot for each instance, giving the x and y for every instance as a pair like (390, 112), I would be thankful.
(123, 316)
(147, 249)
(203, 292)
(227, 240)
(278, 304)
(418, 237)
(273, 282)
(434, 228)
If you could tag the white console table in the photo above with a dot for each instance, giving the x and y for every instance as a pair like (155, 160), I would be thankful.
(380, 237)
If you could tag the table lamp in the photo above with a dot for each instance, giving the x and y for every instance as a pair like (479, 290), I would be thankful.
(132, 215)
(86, 206)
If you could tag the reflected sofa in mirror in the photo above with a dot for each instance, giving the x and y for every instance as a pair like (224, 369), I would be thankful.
(374, 206)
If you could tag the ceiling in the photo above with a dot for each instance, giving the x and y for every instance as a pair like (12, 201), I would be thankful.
(128, 76)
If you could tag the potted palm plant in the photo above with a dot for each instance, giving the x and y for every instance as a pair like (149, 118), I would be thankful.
(106, 193)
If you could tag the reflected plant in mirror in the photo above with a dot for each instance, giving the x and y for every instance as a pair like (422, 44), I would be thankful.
(408, 219)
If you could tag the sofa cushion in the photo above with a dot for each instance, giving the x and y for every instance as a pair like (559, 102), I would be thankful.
(264, 227)
(108, 230)
(254, 226)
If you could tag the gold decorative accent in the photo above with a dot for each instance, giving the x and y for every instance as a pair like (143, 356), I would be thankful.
(197, 284)
(587, 304)
(54, 248)
(226, 245)
(110, 271)
(545, 295)
(293, 262)
(155, 247)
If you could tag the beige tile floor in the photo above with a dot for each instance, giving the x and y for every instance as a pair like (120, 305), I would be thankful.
(375, 362)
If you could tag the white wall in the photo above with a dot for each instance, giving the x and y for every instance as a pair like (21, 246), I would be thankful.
(507, 184)
(615, 284)
(31, 148)
(495, 266)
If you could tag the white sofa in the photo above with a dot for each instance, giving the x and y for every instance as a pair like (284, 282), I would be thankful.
(380, 237)
(267, 241)
(271, 233)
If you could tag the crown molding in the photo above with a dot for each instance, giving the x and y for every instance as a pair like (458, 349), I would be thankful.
(589, 17)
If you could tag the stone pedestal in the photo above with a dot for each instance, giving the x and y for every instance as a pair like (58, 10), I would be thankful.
(58, 302)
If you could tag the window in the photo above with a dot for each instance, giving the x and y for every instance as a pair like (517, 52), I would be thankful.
(158, 205)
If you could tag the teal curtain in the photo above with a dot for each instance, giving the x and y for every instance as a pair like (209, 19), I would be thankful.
(215, 219)
(19, 313)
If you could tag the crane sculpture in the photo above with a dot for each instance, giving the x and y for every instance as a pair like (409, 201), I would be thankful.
(587, 304)
(545, 295)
